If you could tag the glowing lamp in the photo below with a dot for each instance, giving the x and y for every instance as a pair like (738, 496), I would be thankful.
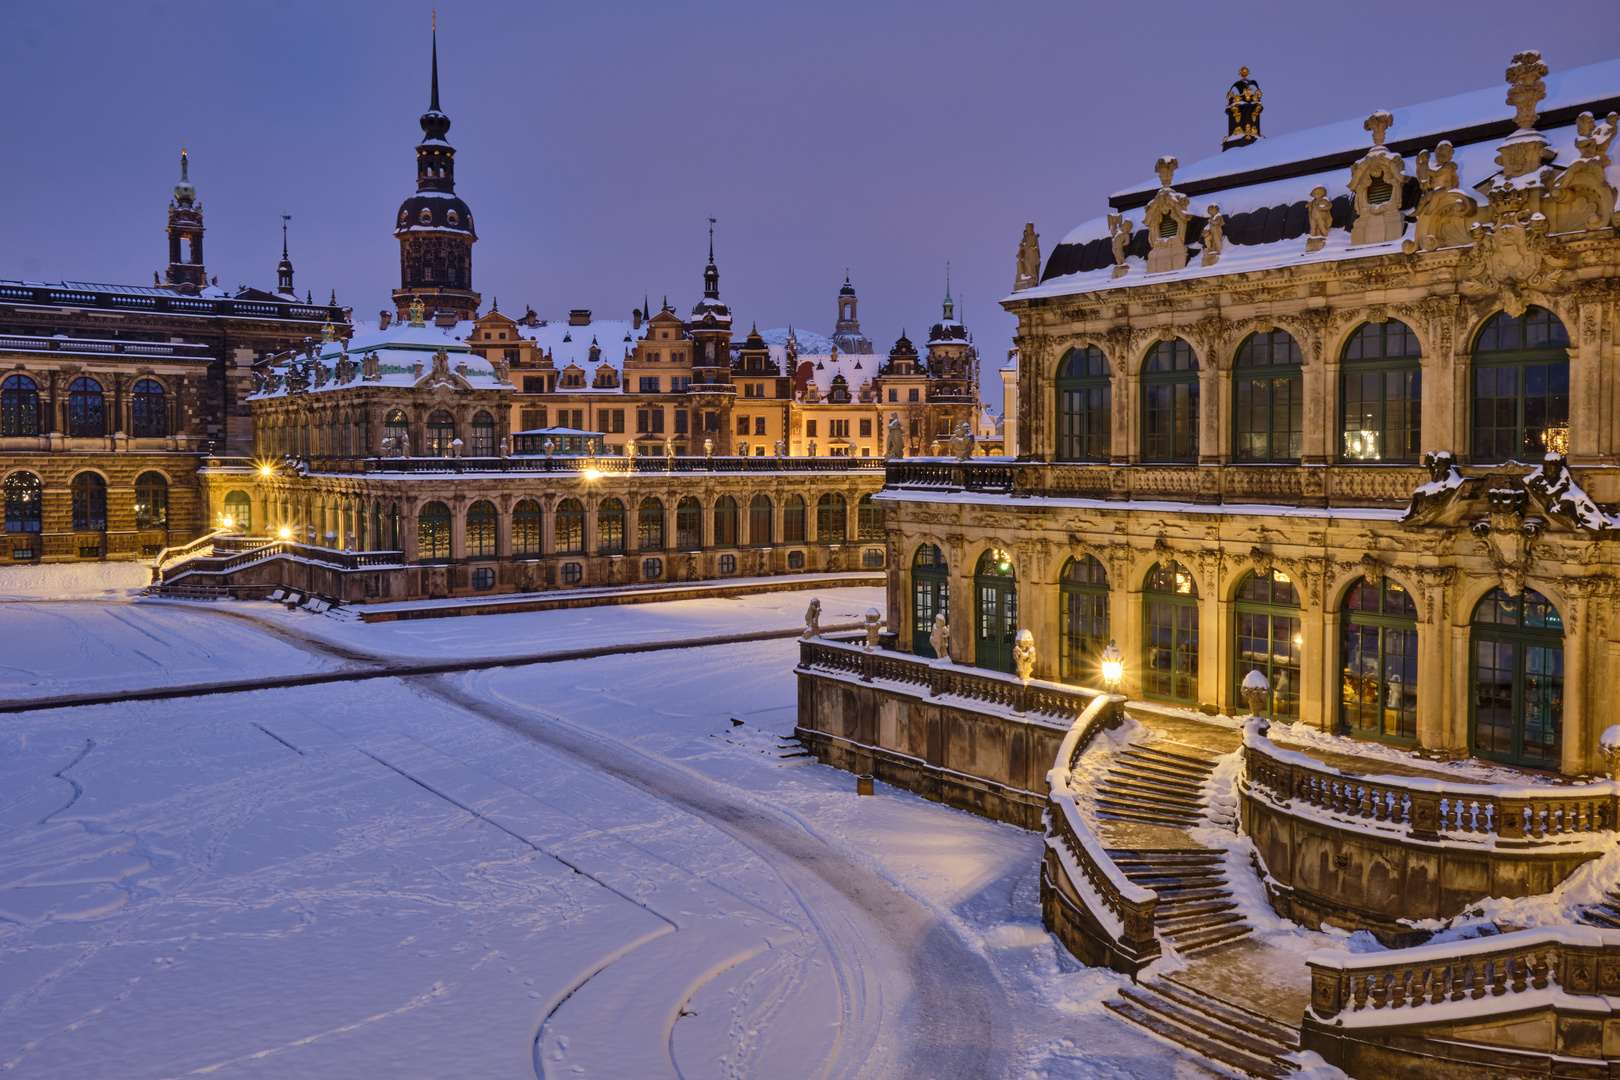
(592, 474)
(225, 521)
(286, 533)
(1113, 667)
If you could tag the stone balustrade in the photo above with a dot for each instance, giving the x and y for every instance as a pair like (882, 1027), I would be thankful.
(1098, 913)
(1382, 852)
(1532, 1002)
(1426, 809)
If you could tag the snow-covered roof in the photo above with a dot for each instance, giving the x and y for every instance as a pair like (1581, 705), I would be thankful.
(1426, 123)
(822, 368)
(809, 341)
(1262, 189)
(397, 350)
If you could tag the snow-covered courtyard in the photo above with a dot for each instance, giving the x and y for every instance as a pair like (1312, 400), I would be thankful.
(619, 866)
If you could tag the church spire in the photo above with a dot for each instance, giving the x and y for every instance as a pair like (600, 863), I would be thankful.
(284, 272)
(950, 305)
(433, 105)
(711, 273)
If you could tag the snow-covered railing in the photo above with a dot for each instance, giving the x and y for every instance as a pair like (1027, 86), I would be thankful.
(1120, 908)
(171, 555)
(1472, 979)
(975, 686)
(347, 560)
(605, 465)
(1419, 808)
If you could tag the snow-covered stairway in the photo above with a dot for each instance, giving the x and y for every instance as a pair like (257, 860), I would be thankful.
(1154, 787)
(1229, 1036)
(1196, 910)
(1605, 914)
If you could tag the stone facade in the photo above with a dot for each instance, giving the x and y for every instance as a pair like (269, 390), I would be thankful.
(1226, 460)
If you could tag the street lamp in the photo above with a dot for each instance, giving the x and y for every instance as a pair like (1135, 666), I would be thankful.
(1113, 667)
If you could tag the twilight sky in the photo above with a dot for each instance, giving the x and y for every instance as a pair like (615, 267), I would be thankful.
(593, 140)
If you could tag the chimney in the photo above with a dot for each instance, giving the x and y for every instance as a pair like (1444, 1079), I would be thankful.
(579, 317)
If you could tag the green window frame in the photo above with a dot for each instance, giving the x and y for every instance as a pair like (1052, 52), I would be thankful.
(793, 518)
(481, 519)
(1085, 628)
(1085, 399)
(725, 522)
(151, 501)
(1378, 687)
(761, 521)
(1381, 394)
(526, 525)
(441, 432)
(239, 509)
(1268, 637)
(1170, 634)
(930, 596)
(1170, 402)
(610, 527)
(1516, 710)
(832, 515)
(688, 525)
(1520, 387)
(568, 524)
(1268, 399)
(650, 525)
(995, 624)
(433, 533)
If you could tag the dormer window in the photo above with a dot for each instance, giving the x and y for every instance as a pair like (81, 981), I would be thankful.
(1379, 191)
(1167, 227)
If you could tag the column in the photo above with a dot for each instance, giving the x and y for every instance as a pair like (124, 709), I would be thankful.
(1313, 653)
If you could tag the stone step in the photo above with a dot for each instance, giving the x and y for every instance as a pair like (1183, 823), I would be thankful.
(1237, 1036)
(1159, 806)
(1174, 896)
(1599, 915)
(1157, 767)
(1165, 856)
(1185, 760)
(1135, 789)
(1170, 910)
(1268, 1028)
(1178, 924)
(1145, 818)
(1225, 1056)
(1199, 940)
(1136, 812)
(1154, 878)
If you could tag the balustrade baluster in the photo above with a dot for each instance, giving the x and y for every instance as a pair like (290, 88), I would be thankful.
(1397, 989)
(1381, 988)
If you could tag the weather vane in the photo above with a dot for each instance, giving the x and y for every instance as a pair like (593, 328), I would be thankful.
(435, 19)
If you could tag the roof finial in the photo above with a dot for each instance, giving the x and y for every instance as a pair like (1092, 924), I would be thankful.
(183, 176)
(434, 105)
(284, 219)
(711, 239)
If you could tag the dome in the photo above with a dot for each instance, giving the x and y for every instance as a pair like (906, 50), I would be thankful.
(435, 212)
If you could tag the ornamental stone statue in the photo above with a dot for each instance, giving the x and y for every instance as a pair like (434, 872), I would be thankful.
(894, 440)
(812, 620)
(940, 638)
(1024, 655)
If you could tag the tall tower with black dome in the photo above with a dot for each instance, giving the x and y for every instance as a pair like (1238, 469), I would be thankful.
(435, 229)
(185, 273)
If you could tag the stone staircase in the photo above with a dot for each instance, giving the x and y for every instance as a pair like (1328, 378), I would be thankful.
(1196, 910)
(1228, 1036)
(1605, 914)
(1153, 787)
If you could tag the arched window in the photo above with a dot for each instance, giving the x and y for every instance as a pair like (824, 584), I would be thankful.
(1170, 634)
(610, 527)
(1170, 403)
(23, 499)
(481, 530)
(995, 628)
(830, 518)
(89, 503)
(1268, 403)
(569, 523)
(1086, 632)
(1085, 406)
(1518, 701)
(483, 435)
(344, 425)
(793, 515)
(650, 525)
(1268, 640)
(930, 596)
(239, 511)
(433, 532)
(362, 445)
(761, 521)
(1378, 690)
(725, 522)
(688, 525)
(396, 537)
(868, 519)
(19, 406)
(150, 418)
(1381, 394)
(526, 529)
(151, 501)
(1521, 387)
(397, 428)
(441, 431)
(86, 416)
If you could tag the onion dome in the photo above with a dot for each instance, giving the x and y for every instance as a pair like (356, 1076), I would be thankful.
(184, 194)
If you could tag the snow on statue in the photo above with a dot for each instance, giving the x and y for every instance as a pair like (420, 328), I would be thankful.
(940, 638)
(1024, 655)
(812, 620)
(894, 440)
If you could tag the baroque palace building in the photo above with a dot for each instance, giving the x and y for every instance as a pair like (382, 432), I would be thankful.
(677, 450)
(112, 395)
(1338, 406)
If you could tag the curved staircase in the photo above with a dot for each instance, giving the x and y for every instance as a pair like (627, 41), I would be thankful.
(1226, 1035)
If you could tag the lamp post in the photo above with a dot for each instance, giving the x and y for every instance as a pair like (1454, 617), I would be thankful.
(1113, 672)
